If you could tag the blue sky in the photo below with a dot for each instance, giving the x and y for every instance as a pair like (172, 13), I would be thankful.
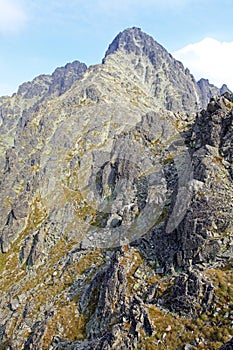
(37, 36)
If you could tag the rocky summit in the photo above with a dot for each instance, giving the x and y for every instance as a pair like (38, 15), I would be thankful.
(116, 206)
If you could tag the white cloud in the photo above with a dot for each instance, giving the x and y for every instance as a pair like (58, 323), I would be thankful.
(209, 58)
(12, 15)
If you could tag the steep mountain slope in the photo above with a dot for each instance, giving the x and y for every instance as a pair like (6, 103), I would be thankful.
(165, 78)
(116, 216)
(29, 96)
(49, 86)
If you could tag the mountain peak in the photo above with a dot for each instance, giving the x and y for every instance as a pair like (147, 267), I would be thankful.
(208, 90)
(118, 208)
(145, 60)
(133, 40)
(224, 89)
(45, 86)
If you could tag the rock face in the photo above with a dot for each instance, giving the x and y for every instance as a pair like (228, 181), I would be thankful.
(209, 90)
(47, 86)
(14, 110)
(228, 345)
(165, 78)
(116, 217)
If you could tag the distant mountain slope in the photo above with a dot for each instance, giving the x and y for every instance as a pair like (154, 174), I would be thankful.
(43, 88)
(116, 207)
(48, 86)
(209, 90)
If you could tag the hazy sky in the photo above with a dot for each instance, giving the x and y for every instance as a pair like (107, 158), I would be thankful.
(37, 36)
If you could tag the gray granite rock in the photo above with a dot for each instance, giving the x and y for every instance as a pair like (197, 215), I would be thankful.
(115, 200)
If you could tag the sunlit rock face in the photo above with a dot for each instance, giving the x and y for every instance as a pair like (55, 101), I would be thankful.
(116, 192)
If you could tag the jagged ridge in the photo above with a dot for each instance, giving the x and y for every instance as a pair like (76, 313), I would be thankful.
(119, 208)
